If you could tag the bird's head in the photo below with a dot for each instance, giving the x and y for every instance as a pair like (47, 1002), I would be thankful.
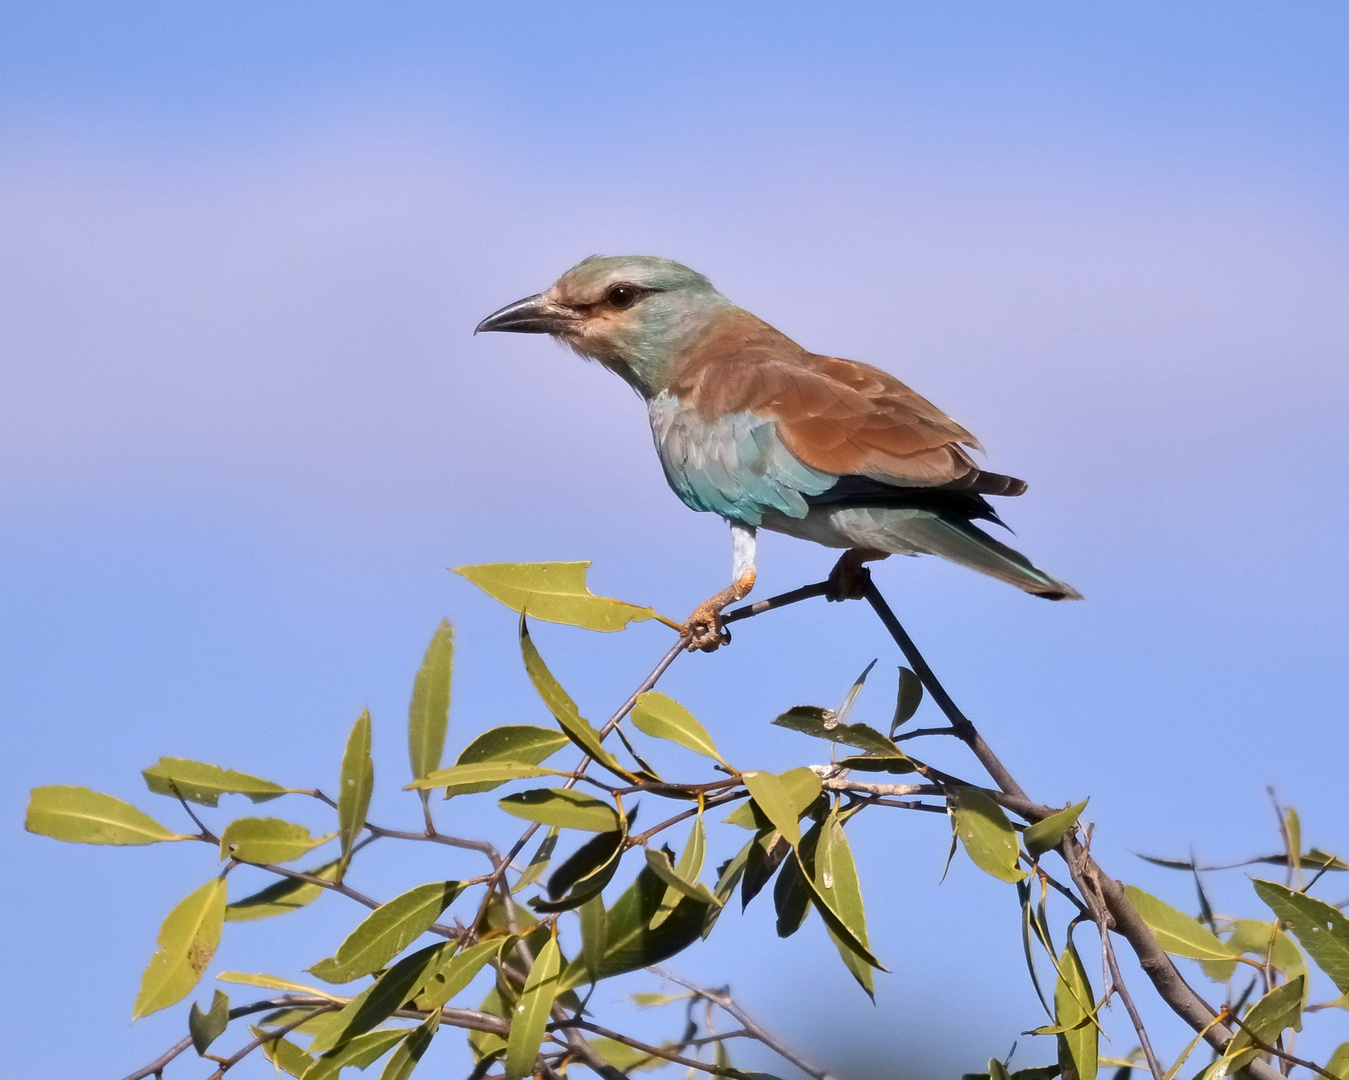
(632, 313)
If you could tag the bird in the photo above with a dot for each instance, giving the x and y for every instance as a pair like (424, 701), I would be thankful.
(753, 427)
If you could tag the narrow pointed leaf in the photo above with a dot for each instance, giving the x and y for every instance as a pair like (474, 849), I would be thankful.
(565, 808)
(564, 710)
(1177, 933)
(1292, 829)
(1279, 1009)
(357, 783)
(791, 898)
(360, 1052)
(1080, 1039)
(283, 1053)
(907, 700)
(660, 864)
(187, 941)
(834, 876)
(1321, 929)
(456, 973)
(483, 776)
(80, 816)
(206, 1027)
(1338, 1065)
(280, 897)
(781, 805)
(988, 837)
(1046, 834)
(387, 931)
(201, 783)
(270, 982)
(827, 724)
(803, 788)
(429, 709)
(553, 592)
(766, 853)
(530, 1016)
(688, 869)
(662, 717)
(411, 1049)
(856, 689)
(586, 871)
(543, 854)
(395, 986)
(841, 929)
(526, 744)
(267, 840)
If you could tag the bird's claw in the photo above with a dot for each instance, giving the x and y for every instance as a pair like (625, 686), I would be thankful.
(705, 630)
(849, 577)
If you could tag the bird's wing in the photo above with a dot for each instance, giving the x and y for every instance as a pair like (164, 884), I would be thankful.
(836, 416)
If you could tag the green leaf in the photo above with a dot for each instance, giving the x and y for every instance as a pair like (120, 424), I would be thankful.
(360, 1052)
(80, 816)
(1292, 828)
(267, 840)
(989, 839)
(271, 982)
(791, 897)
(803, 788)
(283, 1053)
(1320, 928)
(486, 1044)
(564, 710)
(1177, 933)
(280, 897)
(357, 782)
(826, 724)
(662, 717)
(562, 807)
(387, 931)
(624, 1058)
(834, 876)
(411, 1049)
(553, 592)
(853, 691)
(206, 1027)
(631, 942)
(763, 856)
(1046, 834)
(523, 744)
(530, 1017)
(381, 999)
(482, 776)
(909, 697)
(456, 973)
(543, 854)
(200, 783)
(1079, 1042)
(1339, 1062)
(782, 803)
(429, 710)
(584, 873)
(1254, 937)
(1279, 1009)
(686, 872)
(187, 941)
(594, 929)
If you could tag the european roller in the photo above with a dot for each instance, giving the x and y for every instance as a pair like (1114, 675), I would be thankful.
(753, 427)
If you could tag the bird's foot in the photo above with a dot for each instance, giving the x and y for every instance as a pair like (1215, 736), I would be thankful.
(704, 628)
(849, 577)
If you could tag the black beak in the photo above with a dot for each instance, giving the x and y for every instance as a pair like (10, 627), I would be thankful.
(532, 315)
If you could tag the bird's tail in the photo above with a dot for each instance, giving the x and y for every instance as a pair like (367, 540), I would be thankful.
(965, 543)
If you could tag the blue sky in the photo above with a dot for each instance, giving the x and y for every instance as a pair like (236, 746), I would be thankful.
(245, 427)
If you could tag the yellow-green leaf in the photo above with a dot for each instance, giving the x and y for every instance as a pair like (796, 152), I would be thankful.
(271, 982)
(360, 1052)
(357, 782)
(662, 717)
(780, 802)
(187, 941)
(280, 897)
(201, 783)
(988, 837)
(267, 840)
(1177, 933)
(1046, 834)
(907, 699)
(828, 724)
(283, 1053)
(1321, 929)
(387, 931)
(594, 922)
(206, 1026)
(562, 807)
(838, 894)
(1338, 1065)
(429, 710)
(543, 854)
(481, 776)
(1080, 1039)
(396, 985)
(530, 1016)
(564, 710)
(686, 872)
(411, 1049)
(553, 592)
(456, 973)
(80, 816)
(803, 788)
(1279, 1009)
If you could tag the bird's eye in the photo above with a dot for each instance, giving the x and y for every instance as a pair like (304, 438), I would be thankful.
(622, 296)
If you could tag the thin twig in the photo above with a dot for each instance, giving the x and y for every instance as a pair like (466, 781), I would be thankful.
(806, 592)
(269, 1036)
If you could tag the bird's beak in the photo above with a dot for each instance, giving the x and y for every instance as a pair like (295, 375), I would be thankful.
(532, 315)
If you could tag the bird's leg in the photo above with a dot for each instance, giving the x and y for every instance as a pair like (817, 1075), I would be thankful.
(704, 626)
(848, 576)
